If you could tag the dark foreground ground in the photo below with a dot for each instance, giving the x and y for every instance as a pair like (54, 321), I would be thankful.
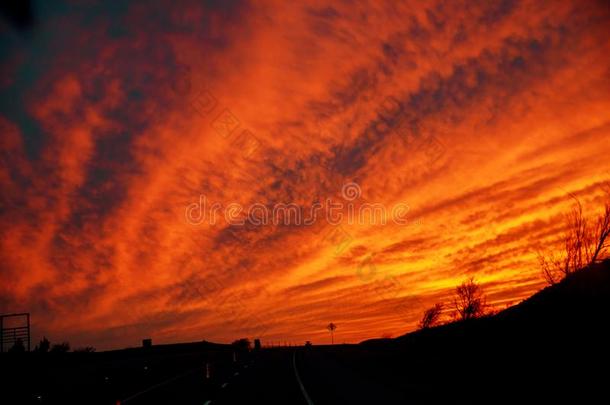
(551, 348)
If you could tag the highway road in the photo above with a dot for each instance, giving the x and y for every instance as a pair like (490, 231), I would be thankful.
(273, 376)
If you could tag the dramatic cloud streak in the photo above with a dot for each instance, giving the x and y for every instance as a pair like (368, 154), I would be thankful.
(482, 117)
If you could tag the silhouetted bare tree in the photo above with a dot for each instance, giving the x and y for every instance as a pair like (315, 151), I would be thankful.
(602, 230)
(331, 328)
(583, 244)
(43, 346)
(60, 347)
(469, 301)
(431, 316)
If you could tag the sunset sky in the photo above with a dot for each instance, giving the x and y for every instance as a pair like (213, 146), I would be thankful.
(481, 117)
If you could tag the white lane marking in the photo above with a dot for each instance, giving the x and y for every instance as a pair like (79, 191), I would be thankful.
(208, 402)
(224, 385)
(236, 374)
(296, 373)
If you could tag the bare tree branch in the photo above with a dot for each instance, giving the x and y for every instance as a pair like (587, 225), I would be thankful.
(469, 302)
(583, 245)
(602, 230)
(431, 316)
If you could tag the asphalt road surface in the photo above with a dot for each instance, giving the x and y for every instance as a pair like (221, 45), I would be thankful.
(274, 376)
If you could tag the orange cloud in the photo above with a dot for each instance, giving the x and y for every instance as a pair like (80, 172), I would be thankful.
(481, 117)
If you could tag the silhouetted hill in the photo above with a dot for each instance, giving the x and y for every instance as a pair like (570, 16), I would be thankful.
(579, 303)
(582, 299)
(553, 345)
